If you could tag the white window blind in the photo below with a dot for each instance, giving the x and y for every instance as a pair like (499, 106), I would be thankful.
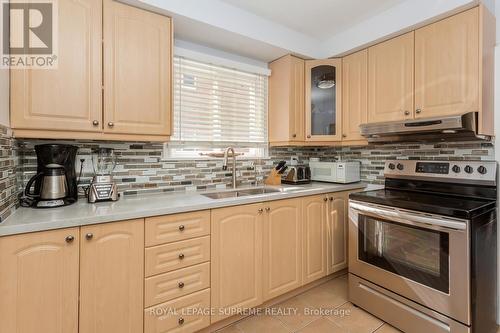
(214, 104)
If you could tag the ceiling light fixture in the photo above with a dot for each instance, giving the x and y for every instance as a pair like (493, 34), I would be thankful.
(327, 80)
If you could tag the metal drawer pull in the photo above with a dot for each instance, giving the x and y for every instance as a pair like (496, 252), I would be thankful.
(181, 285)
(181, 256)
(181, 321)
(70, 239)
(89, 236)
(181, 227)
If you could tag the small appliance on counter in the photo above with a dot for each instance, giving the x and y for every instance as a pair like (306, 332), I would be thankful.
(55, 181)
(335, 172)
(296, 175)
(103, 188)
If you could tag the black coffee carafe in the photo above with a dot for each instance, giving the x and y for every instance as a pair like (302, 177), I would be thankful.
(55, 183)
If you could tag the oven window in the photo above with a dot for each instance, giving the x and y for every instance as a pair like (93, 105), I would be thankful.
(419, 254)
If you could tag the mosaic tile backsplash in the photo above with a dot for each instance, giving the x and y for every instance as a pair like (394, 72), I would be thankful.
(140, 168)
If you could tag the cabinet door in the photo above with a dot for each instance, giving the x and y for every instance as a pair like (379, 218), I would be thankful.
(355, 94)
(282, 247)
(314, 237)
(337, 232)
(390, 79)
(137, 70)
(236, 249)
(67, 98)
(447, 66)
(39, 282)
(286, 100)
(112, 277)
(323, 100)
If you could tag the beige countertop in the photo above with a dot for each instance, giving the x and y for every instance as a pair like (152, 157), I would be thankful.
(26, 220)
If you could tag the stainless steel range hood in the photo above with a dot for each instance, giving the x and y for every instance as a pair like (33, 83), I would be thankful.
(460, 127)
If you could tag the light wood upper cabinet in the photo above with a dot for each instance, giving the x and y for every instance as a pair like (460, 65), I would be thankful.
(236, 258)
(112, 277)
(354, 94)
(282, 247)
(137, 70)
(68, 98)
(286, 100)
(336, 230)
(323, 100)
(447, 66)
(314, 238)
(39, 282)
(390, 79)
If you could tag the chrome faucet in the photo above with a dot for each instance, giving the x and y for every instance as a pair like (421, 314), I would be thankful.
(224, 166)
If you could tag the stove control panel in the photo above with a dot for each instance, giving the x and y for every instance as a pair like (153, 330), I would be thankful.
(473, 172)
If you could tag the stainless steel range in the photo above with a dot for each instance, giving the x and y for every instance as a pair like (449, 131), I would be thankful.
(422, 251)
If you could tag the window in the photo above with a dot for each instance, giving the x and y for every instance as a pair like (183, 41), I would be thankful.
(215, 107)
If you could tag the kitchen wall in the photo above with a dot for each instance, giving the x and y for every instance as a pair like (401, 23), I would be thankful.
(140, 169)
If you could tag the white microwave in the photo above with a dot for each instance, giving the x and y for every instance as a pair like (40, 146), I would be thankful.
(335, 172)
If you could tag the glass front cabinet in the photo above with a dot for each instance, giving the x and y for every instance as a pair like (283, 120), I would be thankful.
(323, 100)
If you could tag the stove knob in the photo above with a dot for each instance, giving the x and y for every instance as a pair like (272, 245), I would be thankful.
(400, 166)
(468, 169)
(482, 170)
(392, 166)
(456, 169)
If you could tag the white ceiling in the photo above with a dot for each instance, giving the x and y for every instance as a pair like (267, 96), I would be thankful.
(264, 30)
(320, 19)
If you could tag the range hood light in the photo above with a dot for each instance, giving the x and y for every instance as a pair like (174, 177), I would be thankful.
(449, 131)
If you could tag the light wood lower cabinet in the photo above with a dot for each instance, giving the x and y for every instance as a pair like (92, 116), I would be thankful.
(184, 314)
(112, 277)
(236, 277)
(336, 231)
(314, 237)
(282, 247)
(39, 282)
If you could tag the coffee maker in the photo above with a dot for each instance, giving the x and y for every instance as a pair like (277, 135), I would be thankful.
(55, 181)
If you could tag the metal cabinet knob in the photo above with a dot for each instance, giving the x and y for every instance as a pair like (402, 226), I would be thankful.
(344, 136)
(418, 110)
(95, 123)
(331, 198)
(260, 210)
(181, 321)
(407, 113)
(294, 135)
(182, 227)
(268, 209)
(309, 136)
(89, 236)
(181, 285)
(325, 199)
(111, 124)
(70, 239)
(181, 256)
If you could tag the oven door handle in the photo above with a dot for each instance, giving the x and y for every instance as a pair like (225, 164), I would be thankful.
(413, 218)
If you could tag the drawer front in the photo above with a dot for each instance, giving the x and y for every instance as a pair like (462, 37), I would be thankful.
(172, 256)
(172, 228)
(186, 314)
(165, 287)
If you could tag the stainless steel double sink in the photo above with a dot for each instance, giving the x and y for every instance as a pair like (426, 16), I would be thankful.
(246, 192)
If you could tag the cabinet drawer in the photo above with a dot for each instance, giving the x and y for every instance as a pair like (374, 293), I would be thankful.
(165, 287)
(172, 256)
(172, 228)
(186, 314)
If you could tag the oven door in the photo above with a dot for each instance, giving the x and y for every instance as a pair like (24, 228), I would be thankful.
(420, 256)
